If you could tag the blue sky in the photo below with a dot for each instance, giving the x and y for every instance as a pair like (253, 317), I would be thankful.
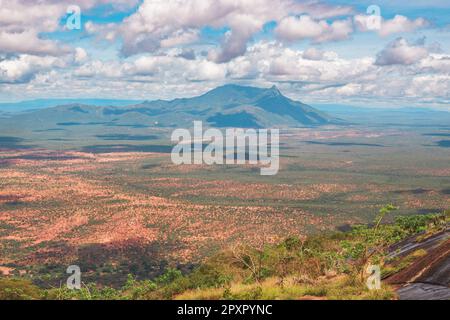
(315, 51)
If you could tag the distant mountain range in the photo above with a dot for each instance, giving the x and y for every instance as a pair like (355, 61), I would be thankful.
(30, 105)
(226, 106)
(410, 116)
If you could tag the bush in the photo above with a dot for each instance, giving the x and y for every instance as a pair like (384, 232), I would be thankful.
(136, 290)
(87, 292)
(18, 289)
(207, 276)
(169, 276)
(419, 223)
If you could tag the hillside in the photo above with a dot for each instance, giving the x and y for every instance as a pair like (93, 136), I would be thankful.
(226, 106)
(319, 267)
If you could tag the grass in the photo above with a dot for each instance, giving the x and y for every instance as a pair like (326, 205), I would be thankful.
(339, 288)
(19, 289)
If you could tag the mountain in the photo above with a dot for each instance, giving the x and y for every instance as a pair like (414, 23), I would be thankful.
(226, 106)
(23, 106)
(395, 116)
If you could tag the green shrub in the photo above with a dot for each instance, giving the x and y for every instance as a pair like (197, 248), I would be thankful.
(87, 292)
(418, 223)
(169, 276)
(207, 276)
(137, 290)
(19, 289)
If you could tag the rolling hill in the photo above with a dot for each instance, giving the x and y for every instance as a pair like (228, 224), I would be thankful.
(32, 105)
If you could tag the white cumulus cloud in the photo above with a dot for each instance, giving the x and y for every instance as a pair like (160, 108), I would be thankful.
(401, 52)
(398, 24)
(304, 27)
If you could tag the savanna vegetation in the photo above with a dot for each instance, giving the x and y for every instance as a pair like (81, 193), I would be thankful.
(329, 265)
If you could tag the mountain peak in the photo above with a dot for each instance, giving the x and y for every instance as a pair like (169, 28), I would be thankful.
(235, 89)
(275, 88)
(275, 91)
(228, 91)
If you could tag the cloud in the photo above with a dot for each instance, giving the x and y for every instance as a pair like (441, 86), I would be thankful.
(313, 54)
(180, 37)
(177, 48)
(304, 27)
(154, 68)
(317, 55)
(28, 42)
(436, 63)
(188, 54)
(18, 16)
(80, 55)
(97, 68)
(234, 45)
(22, 23)
(107, 31)
(320, 74)
(293, 28)
(177, 68)
(156, 21)
(399, 24)
(430, 87)
(23, 68)
(328, 77)
(272, 61)
(401, 52)
(310, 75)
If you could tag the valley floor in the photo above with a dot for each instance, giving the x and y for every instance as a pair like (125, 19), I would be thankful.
(115, 208)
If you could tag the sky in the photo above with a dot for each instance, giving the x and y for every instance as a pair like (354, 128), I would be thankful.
(339, 52)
